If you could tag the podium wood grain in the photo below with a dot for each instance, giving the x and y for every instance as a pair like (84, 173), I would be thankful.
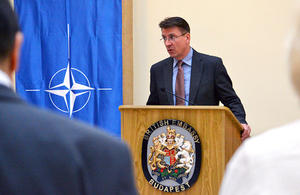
(217, 127)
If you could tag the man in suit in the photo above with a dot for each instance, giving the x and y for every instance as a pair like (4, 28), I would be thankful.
(43, 153)
(204, 78)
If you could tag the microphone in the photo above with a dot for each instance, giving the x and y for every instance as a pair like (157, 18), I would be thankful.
(164, 90)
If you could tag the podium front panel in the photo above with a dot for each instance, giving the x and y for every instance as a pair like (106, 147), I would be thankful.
(217, 127)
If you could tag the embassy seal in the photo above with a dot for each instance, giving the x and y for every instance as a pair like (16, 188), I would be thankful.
(171, 155)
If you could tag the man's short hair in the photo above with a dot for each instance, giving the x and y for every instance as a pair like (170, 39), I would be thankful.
(8, 28)
(175, 21)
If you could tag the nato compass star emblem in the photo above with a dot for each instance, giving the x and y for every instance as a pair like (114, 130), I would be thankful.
(69, 89)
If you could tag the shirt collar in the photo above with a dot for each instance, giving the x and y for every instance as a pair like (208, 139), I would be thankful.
(187, 59)
(5, 80)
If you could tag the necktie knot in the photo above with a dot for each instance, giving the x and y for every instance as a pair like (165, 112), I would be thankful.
(180, 63)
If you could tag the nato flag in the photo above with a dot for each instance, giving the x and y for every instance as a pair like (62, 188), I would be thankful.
(71, 60)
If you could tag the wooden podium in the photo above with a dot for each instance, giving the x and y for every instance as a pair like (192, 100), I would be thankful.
(217, 127)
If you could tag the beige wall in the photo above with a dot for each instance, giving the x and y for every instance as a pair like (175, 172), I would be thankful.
(248, 35)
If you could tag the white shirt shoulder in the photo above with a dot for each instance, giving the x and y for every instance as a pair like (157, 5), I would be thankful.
(266, 164)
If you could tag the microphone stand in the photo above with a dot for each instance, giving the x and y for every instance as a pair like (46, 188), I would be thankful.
(164, 90)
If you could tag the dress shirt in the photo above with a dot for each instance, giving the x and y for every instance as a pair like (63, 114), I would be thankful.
(4, 79)
(187, 67)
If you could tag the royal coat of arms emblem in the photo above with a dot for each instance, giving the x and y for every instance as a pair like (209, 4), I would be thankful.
(171, 157)
(171, 163)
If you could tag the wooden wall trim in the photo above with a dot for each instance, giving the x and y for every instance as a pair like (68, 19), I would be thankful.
(127, 51)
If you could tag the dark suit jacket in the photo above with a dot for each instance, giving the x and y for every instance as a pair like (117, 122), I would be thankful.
(44, 153)
(210, 84)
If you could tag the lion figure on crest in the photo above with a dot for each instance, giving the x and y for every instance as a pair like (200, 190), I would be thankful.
(155, 151)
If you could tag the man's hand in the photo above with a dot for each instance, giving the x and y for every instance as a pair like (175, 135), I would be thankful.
(246, 132)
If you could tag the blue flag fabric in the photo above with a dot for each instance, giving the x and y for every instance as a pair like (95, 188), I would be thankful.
(71, 59)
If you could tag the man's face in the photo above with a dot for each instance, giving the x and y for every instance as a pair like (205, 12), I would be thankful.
(176, 42)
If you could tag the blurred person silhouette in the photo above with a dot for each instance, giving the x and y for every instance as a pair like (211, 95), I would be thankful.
(270, 163)
(43, 153)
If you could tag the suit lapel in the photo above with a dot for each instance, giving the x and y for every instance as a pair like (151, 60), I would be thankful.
(196, 75)
(168, 75)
